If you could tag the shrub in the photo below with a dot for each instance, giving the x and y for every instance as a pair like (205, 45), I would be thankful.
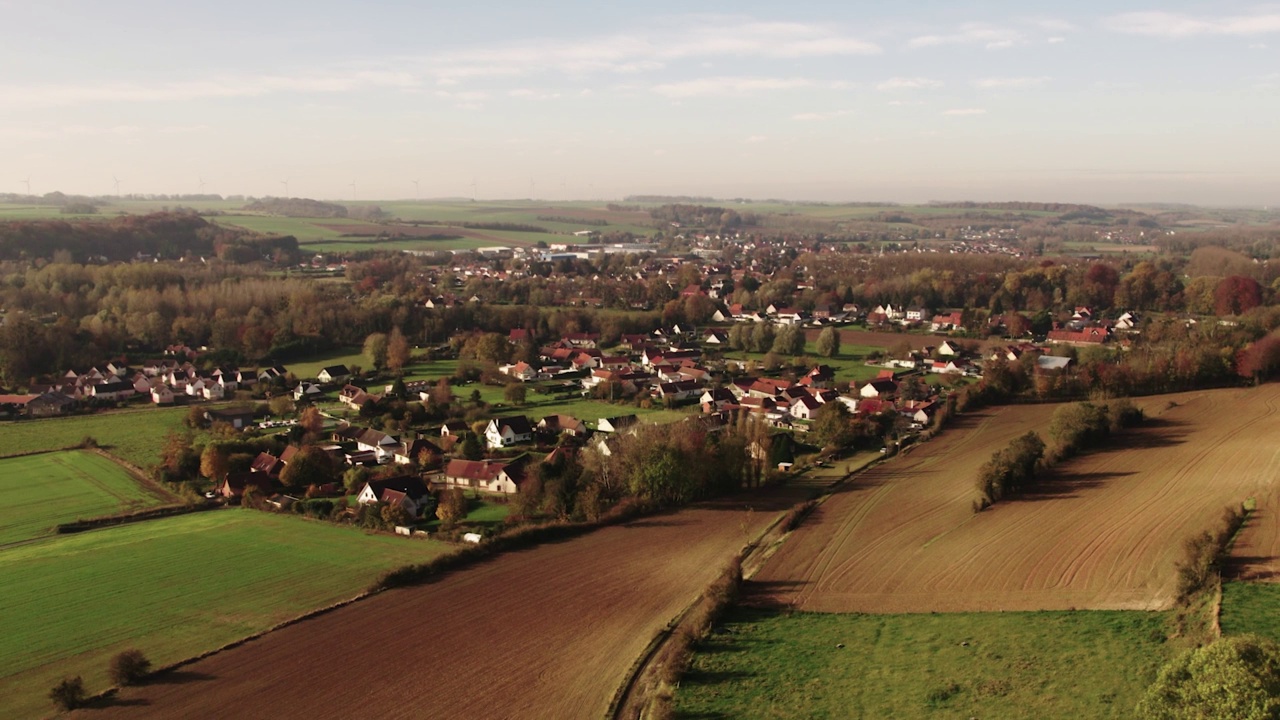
(129, 667)
(68, 694)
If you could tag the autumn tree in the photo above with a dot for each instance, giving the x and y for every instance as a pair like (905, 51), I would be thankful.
(833, 425)
(452, 506)
(1233, 677)
(515, 393)
(397, 350)
(789, 341)
(829, 342)
(311, 420)
(213, 462)
(309, 466)
(375, 350)
(1237, 294)
(281, 405)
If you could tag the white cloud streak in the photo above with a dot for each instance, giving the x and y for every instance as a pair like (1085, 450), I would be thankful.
(992, 37)
(1179, 25)
(1009, 83)
(728, 86)
(965, 111)
(908, 83)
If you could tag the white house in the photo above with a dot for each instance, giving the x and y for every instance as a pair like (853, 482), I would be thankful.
(805, 407)
(505, 431)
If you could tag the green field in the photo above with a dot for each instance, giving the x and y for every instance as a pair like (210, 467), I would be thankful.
(1249, 607)
(133, 435)
(987, 665)
(850, 363)
(341, 356)
(38, 492)
(172, 588)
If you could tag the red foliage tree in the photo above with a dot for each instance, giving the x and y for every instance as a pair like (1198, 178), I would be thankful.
(1236, 295)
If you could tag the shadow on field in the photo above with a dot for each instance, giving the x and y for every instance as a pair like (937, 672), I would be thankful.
(112, 700)
(179, 677)
(1068, 485)
(769, 595)
(1152, 433)
(1250, 568)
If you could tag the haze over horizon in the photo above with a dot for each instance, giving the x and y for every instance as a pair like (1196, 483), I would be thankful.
(1099, 103)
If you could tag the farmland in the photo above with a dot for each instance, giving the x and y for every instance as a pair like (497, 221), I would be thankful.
(1067, 665)
(1251, 607)
(1104, 532)
(38, 492)
(560, 625)
(136, 435)
(174, 588)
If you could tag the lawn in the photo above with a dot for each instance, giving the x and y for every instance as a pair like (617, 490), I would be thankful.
(763, 664)
(135, 435)
(172, 588)
(850, 364)
(1249, 607)
(340, 356)
(38, 492)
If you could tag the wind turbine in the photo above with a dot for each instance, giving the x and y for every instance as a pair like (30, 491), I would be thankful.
(117, 185)
(473, 188)
(201, 182)
(285, 183)
(415, 189)
(353, 190)
(27, 182)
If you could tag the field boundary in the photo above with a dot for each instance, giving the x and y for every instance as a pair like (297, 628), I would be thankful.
(155, 513)
(139, 476)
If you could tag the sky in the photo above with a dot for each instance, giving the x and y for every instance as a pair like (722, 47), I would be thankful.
(1100, 102)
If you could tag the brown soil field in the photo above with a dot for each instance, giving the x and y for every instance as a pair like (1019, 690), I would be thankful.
(1103, 532)
(411, 231)
(548, 632)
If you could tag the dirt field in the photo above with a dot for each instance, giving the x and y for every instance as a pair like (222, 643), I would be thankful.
(1104, 533)
(548, 632)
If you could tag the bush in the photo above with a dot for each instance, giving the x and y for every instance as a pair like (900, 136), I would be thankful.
(68, 694)
(129, 667)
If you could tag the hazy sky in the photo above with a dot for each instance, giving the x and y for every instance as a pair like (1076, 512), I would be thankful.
(909, 101)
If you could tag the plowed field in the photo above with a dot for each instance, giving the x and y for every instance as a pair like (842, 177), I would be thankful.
(548, 632)
(1103, 533)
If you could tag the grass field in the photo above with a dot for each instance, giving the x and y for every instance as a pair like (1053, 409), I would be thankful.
(133, 435)
(850, 363)
(1251, 607)
(340, 356)
(38, 492)
(1066, 665)
(173, 588)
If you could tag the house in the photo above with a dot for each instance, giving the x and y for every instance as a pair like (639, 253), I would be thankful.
(333, 373)
(563, 425)
(267, 463)
(161, 394)
(307, 391)
(805, 407)
(272, 373)
(454, 428)
(382, 445)
(412, 451)
(617, 424)
(234, 484)
(950, 349)
(820, 376)
(237, 419)
(915, 314)
(947, 322)
(715, 337)
(119, 390)
(50, 404)
(505, 431)
(1127, 321)
(879, 388)
(356, 397)
(716, 399)
(1050, 363)
(521, 371)
(502, 476)
(1087, 336)
(677, 391)
(519, 335)
(405, 491)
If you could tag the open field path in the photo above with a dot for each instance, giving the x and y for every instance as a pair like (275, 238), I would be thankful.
(1103, 532)
(547, 632)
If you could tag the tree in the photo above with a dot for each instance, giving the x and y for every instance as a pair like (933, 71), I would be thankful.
(309, 466)
(1236, 295)
(471, 448)
(281, 405)
(397, 350)
(375, 350)
(213, 462)
(452, 506)
(68, 694)
(789, 341)
(515, 393)
(129, 667)
(829, 342)
(311, 420)
(1234, 677)
(833, 425)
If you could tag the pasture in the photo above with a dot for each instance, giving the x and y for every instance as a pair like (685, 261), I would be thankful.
(174, 588)
(1033, 665)
(1104, 531)
(136, 435)
(38, 492)
(1251, 607)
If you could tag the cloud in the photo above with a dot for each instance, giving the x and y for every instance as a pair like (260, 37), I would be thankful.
(756, 139)
(993, 37)
(904, 83)
(650, 49)
(1179, 25)
(531, 94)
(722, 86)
(30, 96)
(965, 111)
(818, 116)
(1010, 82)
(1056, 40)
